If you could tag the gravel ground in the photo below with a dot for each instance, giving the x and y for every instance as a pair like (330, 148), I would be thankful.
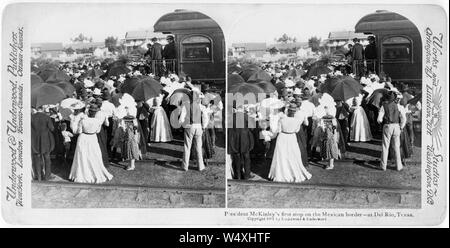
(360, 169)
(162, 168)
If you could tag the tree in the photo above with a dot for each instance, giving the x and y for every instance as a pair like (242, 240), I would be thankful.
(314, 43)
(70, 51)
(81, 38)
(285, 39)
(111, 43)
(273, 50)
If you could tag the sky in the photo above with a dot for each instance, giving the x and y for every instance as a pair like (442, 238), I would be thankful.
(241, 23)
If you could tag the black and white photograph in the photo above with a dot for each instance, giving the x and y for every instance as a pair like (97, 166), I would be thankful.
(335, 117)
(237, 114)
(127, 112)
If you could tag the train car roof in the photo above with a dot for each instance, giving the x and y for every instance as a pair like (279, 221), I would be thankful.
(383, 20)
(183, 20)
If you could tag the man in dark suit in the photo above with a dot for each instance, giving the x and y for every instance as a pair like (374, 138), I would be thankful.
(42, 144)
(156, 51)
(370, 54)
(156, 56)
(170, 53)
(358, 58)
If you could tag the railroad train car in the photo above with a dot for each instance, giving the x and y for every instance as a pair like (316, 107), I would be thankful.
(399, 45)
(199, 42)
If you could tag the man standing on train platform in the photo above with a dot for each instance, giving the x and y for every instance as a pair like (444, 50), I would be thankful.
(358, 58)
(393, 123)
(370, 53)
(156, 57)
(169, 54)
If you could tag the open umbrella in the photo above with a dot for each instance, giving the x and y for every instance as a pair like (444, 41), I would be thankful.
(343, 89)
(233, 79)
(46, 73)
(247, 73)
(46, 94)
(234, 68)
(415, 99)
(145, 89)
(245, 88)
(129, 84)
(67, 87)
(117, 71)
(259, 75)
(93, 73)
(267, 87)
(180, 94)
(35, 79)
(295, 73)
(376, 97)
(57, 76)
(317, 71)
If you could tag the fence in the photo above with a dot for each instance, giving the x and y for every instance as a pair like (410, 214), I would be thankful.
(362, 66)
(161, 66)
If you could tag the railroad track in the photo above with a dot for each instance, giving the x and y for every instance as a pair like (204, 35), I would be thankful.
(75, 195)
(264, 194)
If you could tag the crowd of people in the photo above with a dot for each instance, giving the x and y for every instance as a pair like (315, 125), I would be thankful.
(301, 121)
(99, 123)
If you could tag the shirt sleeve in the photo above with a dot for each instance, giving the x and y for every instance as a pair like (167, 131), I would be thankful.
(380, 115)
(205, 117)
(182, 114)
(402, 117)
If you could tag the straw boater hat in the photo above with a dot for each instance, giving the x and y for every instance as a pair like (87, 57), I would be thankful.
(297, 91)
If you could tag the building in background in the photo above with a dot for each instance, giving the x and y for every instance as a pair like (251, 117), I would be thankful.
(253, 50)
(340, 39)
(47, 50)
(140, 38)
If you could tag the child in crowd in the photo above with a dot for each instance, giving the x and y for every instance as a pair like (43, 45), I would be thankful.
(67, 135)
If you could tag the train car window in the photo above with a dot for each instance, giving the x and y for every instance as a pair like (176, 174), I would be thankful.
(396, 49)
(195, 48)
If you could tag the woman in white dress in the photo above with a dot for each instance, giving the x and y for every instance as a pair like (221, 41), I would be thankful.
(287, 165)
(360, 127)
(160, 125)
(87, 166)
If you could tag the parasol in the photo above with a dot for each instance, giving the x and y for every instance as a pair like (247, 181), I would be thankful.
(145, 89)
(248, 72)
(317, 71)
(57, 76)
(295, 73)
(267, 87)
(117, 70)
(415, 99)
(67, 87)
(46, 73)
(129, 84)
(376, 97)
(245, 88)
(234, 79)
(46, 94)
(93, 73)
(35, 79)
(342, 88)
(259, 75)
(180, 95)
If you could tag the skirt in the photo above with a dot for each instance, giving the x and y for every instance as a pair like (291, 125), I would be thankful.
(87, 165)
(160, 126)
(287, 165)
